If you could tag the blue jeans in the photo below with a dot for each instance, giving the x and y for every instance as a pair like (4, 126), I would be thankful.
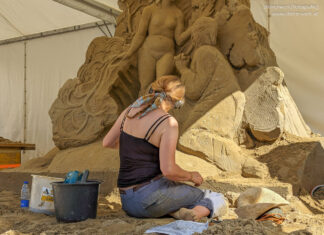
(162, 197)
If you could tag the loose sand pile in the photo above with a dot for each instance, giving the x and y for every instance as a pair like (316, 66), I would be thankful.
(304, 215)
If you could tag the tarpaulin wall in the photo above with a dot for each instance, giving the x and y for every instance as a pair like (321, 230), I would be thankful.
(50, 61)
(297, 37)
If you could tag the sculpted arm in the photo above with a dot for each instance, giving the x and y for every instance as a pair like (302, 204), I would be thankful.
(196, 77)
(141, 32)
(191, 81)
(181, 36)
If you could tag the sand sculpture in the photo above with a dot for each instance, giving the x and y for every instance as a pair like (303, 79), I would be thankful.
(236, 95)
(155, 41)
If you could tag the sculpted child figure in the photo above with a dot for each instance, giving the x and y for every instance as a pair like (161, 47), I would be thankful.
(209, 77)
(161, 26)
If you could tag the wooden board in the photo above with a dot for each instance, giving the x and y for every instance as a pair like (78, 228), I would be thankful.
(10, 158)
(18, 145)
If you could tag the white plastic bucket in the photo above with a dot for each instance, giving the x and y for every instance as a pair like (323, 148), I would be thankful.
(42, 199)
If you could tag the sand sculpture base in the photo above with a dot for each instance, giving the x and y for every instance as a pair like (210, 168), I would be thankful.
(304, 214)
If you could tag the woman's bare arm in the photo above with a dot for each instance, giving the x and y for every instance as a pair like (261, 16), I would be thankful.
(168, 146)
(111, 140)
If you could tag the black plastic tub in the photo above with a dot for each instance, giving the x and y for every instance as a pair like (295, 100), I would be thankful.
(75, 202)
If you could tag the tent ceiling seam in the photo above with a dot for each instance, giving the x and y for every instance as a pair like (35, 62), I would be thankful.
(91, 8)
(11, 24)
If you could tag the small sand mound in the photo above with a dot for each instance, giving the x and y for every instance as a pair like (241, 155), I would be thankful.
(7, 141)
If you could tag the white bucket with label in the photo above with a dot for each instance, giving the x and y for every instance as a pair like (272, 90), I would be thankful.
(41, 198)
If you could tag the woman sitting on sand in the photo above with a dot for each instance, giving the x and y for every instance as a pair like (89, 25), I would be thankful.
(148, 180)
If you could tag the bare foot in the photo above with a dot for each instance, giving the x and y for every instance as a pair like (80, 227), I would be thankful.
(185, 214)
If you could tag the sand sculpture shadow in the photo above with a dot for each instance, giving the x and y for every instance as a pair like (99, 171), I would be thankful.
(300, 164)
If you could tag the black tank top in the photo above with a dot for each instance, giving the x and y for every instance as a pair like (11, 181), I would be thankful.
(139, 159)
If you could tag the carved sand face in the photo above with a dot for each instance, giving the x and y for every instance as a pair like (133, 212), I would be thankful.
(204, 32)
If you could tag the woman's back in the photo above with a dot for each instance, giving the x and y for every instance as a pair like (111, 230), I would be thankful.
(139, 157)
(139, 127)
(146, 134)
(147, 142)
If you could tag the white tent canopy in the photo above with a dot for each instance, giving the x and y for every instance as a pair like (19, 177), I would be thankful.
(20, 18)
(34, 65)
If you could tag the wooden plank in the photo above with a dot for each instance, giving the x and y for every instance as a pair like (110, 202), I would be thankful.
(18, 145)
(13, 157)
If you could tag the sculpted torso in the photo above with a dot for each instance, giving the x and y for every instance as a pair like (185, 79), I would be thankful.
(161, 28)
(163, 22)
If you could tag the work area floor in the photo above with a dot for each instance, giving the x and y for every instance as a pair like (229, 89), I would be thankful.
(112, 220)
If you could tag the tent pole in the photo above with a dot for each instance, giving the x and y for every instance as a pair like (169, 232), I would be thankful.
(25, 92)
(102, 31)
(108, 30)
(269, 15)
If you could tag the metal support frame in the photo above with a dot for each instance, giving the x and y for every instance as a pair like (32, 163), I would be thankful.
(268, 15)
(91, 7)
(55, 32)
(25, 93)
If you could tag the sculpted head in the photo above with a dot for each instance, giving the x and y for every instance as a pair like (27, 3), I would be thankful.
(204, 32)
(202, 8)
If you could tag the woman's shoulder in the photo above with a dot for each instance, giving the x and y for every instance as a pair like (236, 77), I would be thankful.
(172, 122)
(168, 119)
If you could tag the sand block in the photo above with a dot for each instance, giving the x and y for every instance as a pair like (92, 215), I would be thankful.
(193, 163)
(239, 185)
(299, 163)
(254, 169)
(270, 109)
(222, 152)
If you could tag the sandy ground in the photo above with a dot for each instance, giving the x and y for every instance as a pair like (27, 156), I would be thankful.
(304, 215)
(112, 220)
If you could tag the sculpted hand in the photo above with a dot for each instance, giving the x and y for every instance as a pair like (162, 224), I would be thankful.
(222, 16)
(181, 61)
(196, 178)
